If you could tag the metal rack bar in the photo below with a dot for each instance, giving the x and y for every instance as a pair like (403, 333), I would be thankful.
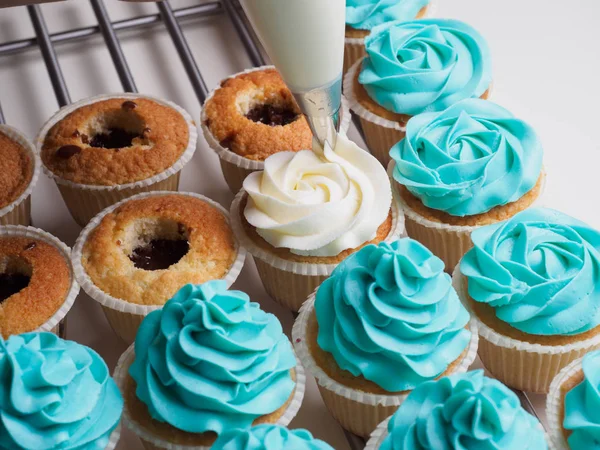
(49, 55)
(236, 16)
(206, 9)
(189, 63)
(114, 47)
(2, 119)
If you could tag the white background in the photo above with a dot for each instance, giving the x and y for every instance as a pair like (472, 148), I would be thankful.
(546, 70)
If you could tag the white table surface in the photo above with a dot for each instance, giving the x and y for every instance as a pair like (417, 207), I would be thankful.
(546, 69)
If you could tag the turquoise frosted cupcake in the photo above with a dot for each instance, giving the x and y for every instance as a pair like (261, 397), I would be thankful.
(386, 320)
(460, 412)
(56, 395)
(207, 362)
(414, 67)
(269, 437)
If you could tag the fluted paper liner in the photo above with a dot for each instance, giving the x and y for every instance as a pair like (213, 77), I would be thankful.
(53, 323)
(355, 410)
(114, 437)
(518, 364)
(123, 316)
(235, 167)
(152, 441)
(84, 201)
(18, 212)
(290, 282)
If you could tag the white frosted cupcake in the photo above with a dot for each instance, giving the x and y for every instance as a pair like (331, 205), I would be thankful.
(307, 211)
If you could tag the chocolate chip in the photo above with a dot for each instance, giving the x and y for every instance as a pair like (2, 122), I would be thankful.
(129, 105)
(272, 115)
(85, 139)
(75, 133)
(67, 151)
(30, 246)
(227, 142)
(118, 242)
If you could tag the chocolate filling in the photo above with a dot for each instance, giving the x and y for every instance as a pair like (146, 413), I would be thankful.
(159, 254)
(272, 115)
(113, 138)
(11, 283)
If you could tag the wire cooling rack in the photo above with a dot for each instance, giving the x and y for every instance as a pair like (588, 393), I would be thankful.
(167, 17)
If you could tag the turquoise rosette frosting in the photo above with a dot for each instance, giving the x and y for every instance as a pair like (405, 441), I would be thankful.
(366, 14)
(269, 437)
(582, 404)
(389, 313)
(463, 412)
(539, 270)
(425, 65)
(211, 360)
(468, 159)
(55, 395)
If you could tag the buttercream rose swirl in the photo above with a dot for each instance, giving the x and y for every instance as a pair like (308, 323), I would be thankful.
(468, 159)
(463, 412)
(539, 270)
(425, 65)
(269, 437)
(390, 314)
(55, 395)
(366, 14)
(211, 360)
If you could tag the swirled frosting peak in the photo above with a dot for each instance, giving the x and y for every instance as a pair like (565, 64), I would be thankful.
(210, 360)
(319, 203)
(582, 404)
(366, 14)
(55, 395)
(425, 65)
(539, 270)
(469, 158)
(463, 412)
(269, 437)
(389, 313)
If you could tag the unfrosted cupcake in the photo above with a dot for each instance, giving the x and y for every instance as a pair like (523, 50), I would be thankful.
(251, 116)
(208, 362)
(413, 67)
(269, 437)
(56, 394)
(472, 164)
(573, 405)
(532, 284)
(364, 15)
(460, 412)
(385, 321)
(307, 211)
(104, 149)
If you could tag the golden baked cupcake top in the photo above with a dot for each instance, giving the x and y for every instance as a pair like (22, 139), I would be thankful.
(255, 115)
(16, 169)
(115, 141)
(148, 248)
(34, 282)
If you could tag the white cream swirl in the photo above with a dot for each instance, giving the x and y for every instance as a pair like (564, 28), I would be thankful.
(321, 202)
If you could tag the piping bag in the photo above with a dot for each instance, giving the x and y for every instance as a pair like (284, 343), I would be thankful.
(305, 41)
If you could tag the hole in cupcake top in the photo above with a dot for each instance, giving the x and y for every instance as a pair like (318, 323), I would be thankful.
(119, 128)
(15, 274)
(272, 115)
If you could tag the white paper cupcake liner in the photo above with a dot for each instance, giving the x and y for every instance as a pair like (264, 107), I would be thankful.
(74, 194)
(113, 307)
(18, 212)
(235, 167)
(122, 372)
(53, 323)
(357, 411)
(518, 364)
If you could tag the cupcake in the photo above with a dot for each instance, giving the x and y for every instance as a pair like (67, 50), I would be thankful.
(460, 412)
(107, 148)
(307, 211)
(364, 15)
(572, 406)
(56, 394)
(251, 116)
(37, 285)
(413, 67)
(531, 283)
(135, 255)
(269, 437)
(209, 362)
(387, 320)
(20, 169)
(473, 164)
